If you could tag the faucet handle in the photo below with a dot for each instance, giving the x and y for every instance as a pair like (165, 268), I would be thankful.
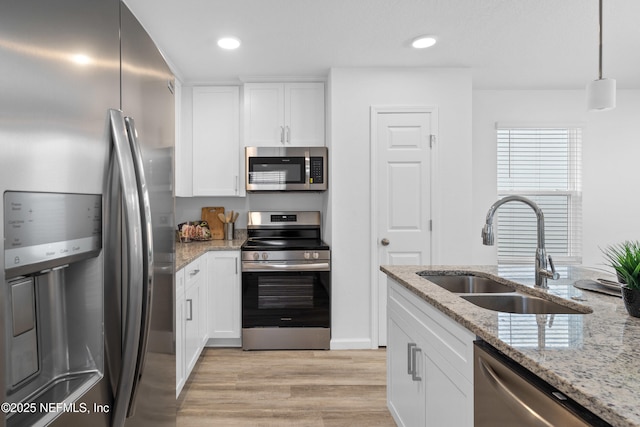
(554, 274)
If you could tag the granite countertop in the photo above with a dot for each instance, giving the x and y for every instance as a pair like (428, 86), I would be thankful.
(593, 358)
(187, 252)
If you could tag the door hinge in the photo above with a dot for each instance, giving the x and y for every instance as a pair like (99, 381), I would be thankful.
(432, 140)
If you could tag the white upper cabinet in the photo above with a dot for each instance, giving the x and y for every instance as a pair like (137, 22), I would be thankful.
(183, 161)
(216, 151)
(289, 114)
(209, 156)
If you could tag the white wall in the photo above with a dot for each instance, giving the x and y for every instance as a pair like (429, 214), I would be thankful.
(352, 92)
(610, 161)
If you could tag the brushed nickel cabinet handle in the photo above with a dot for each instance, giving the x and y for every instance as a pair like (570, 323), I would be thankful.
(410, 347)
(414, 375)
(190, 317)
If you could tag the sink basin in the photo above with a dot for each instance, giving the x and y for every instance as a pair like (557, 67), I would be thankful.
(467, 284)
(521, 304)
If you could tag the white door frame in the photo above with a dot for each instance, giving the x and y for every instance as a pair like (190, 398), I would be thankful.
(434, 203)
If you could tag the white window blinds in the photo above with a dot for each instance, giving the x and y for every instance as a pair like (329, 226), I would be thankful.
(543, 164)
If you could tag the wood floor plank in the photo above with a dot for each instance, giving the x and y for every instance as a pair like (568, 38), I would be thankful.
(337, 388)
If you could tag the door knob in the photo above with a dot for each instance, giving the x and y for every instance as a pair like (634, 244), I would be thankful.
(384, 242)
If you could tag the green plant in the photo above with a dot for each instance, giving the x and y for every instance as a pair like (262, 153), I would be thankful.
(625, 259)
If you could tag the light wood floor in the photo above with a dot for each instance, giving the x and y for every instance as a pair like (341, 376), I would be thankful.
(231, 387)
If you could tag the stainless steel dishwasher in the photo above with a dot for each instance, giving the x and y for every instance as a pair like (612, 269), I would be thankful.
(506, 394)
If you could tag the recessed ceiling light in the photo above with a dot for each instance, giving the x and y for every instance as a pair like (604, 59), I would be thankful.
(229, 43)
(423, 42)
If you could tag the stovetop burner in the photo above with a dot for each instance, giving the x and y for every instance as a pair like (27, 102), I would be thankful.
(273, 231)
(253, 244)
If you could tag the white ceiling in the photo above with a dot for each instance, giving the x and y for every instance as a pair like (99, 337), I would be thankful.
(509, 44)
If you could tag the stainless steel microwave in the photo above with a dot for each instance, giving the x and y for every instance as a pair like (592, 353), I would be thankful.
(286, 168)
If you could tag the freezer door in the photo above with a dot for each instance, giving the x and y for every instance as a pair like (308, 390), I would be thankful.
(148, 104)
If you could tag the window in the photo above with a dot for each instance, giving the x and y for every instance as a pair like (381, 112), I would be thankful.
(543, 164)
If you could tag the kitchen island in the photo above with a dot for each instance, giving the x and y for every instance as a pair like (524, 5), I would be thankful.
(593, 358)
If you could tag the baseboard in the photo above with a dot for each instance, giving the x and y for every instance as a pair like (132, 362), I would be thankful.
(351, 344)
(224, 342)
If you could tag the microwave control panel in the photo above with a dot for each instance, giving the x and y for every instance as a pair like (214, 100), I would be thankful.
(316, 175)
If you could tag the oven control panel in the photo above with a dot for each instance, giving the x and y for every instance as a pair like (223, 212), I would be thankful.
(284, 218)
(267, 256)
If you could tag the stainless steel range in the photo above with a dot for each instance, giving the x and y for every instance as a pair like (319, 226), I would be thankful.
(286, 282)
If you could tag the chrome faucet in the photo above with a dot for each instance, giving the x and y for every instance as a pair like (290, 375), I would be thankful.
(542, 274)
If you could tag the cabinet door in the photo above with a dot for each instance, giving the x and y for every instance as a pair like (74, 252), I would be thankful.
(443, 395)
(180, 343)
(216, 141)
(224, 298)
(304, 114)
(192, 340)
(449, 396)
(203, 311)
(179, 328)
(195, 279)
(263, 114)
(405, 393)
(182, 155)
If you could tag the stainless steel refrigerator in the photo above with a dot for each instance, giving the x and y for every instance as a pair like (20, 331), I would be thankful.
(86, 176)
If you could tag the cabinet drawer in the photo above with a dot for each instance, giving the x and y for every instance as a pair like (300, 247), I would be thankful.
(444, 335)
(194, 271)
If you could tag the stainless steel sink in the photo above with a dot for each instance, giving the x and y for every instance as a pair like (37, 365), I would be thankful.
(467, 284)
(521, 304)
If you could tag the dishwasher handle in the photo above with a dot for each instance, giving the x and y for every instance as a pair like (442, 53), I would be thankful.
(501, 386)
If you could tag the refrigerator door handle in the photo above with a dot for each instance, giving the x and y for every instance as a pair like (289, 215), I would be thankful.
(132, 225)
(147, 260)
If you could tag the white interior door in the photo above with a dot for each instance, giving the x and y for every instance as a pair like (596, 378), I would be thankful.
(403, 195)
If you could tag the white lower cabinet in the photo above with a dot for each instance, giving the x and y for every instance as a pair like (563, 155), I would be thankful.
(429, 363)
(405, 395)
(179, 327)
(191, 318)
(208, 309)
(225, 306)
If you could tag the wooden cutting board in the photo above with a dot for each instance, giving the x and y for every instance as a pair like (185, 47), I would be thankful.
(210, 214)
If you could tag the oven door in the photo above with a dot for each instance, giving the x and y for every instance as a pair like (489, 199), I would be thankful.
(286, 299)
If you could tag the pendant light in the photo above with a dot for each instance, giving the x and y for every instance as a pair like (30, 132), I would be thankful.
(601, 93)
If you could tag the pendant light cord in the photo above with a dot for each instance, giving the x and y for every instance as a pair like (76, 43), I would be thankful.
(600, 45)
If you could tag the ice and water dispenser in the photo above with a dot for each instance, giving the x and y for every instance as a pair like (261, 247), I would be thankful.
(53, 314)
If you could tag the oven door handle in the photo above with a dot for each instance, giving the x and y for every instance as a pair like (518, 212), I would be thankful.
(253, 266)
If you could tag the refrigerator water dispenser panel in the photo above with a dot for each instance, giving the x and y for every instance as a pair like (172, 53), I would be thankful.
(45, 230)
(24, 340)
(54, 309)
